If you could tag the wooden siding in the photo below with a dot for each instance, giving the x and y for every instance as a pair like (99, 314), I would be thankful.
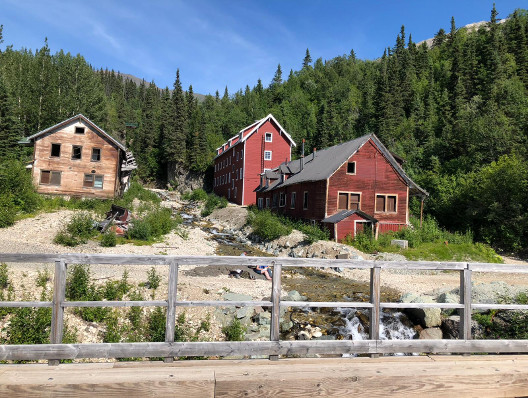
(348, 226)
(316, 200)
(251, 161)
(73, 170)
(374, 175)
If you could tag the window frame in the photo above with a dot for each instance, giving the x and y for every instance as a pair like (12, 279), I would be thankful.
(355, 168)
(266, 137)
(266, 153)
(73, 152)
(293, 199)
(51, 173)
(260, 203)
(349, 196)
(51, 150)
(100, 155)
(267, 203)
(386, 196)
(282, 199)
(305, 200)
(80, 129)
(94, 179)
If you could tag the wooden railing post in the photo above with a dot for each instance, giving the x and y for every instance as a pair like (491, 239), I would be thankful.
(464, 332)
(57, 309)
(275, 309)
(375, 274)
(171, 307)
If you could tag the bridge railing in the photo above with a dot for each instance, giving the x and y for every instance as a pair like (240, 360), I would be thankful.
(274, 347)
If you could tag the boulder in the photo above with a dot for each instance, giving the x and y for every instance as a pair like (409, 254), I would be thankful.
(431, 334)
(451, 326)
(426, 317)
(262, 318)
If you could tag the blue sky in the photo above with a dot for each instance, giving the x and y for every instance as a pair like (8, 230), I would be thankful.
(216, 43)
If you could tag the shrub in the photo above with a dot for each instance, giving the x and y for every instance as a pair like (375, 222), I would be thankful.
(17, 182)
(7, 210)
(113, 333)
(198, 195)
(234, 331)
(156, 325)
(153, 278)
(160, 222)
(43, 277)
(80, 288)
(109, 239)
(136, 191)
(78, 230)
(4, 276)
(135, 313)
(267, 225)
(213, 202)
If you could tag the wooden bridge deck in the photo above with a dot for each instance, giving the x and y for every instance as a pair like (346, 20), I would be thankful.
(438, 376)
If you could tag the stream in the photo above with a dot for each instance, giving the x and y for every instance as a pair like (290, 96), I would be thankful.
(335, 323)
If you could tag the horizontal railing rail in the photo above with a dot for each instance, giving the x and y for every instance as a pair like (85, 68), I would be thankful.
(169, 349)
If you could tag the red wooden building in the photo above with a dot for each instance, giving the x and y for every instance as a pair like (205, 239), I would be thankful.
(243, 158)
(345, 187)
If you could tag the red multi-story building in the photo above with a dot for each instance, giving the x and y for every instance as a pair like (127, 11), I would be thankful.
(240, 161)
(345, 188)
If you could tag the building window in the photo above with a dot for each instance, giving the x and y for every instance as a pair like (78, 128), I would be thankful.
(348, 201)
(50, 177)
(79, 130)
(274, 202)
(77, 152)
(229, 177)
(267, 203)
(55, 150)
(305, 200)
(269, 137)
(236, 191)
(282, 199)
(241, 173)
(260, 203)
(386, 203)
(267, 155)
(96, 154)
(238, 154)
(351, 168)
(93, 181)
(228, 193)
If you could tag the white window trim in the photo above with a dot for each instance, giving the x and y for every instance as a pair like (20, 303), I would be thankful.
(266, 137)
(348, 199)
(385, 211)
(266, 154)
(282, 199)
(355, 168)
(260, 203)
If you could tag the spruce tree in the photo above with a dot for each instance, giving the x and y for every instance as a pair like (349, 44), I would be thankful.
(307, 59)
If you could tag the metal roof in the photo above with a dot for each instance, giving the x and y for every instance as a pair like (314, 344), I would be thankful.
(335, 218)
(321, 164)
(87, 121)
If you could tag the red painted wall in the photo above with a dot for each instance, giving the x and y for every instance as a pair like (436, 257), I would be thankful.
(374, 175)
(250, 159)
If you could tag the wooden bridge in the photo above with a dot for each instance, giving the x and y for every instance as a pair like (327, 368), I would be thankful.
(490, 375)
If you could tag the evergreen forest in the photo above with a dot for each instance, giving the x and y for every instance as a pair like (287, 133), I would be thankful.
(456, 110)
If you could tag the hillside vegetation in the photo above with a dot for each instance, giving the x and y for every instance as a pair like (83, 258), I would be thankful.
(457, 112)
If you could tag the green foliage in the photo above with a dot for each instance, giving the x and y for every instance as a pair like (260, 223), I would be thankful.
(4, 276)
(78, 230)
(267, 225)
(198, 195)
(155, 330)
(153, 225)
(213, 202)
(43, 277)
(29, 326)
(153, 278)
(7, 210)
(113, 333)
(135, 313)
(109, 239)
(235, 331)
(136, 191)
(79, 287)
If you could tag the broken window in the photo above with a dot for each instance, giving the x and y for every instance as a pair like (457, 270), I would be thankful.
(93, 181)
(55, 150)
(50, 177)
(77, 152)
(351, 168)
(79, 130)
(96, 154)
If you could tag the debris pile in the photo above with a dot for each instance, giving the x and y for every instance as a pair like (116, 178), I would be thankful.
(117, 220)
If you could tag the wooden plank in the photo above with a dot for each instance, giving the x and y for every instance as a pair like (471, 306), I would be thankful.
(458, 346)
(171, 307)
(275, 309)
(57, 311)
(502, 268)
(500, 306)
(126, 303)
(465, 299)
(223, 303)
(375, 301)
(325, 304)
(23, 304)
(421, 305)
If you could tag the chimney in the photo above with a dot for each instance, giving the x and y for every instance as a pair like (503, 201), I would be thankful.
(315, 150)
(302, 155)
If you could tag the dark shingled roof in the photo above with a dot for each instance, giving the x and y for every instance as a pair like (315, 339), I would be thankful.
(334, 219)
(326, 161)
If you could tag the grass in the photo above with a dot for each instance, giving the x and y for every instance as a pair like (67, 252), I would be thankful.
(429, 243)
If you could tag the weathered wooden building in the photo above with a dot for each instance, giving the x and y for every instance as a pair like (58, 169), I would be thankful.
(345, 188)
(77, 158)
(240, 161)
